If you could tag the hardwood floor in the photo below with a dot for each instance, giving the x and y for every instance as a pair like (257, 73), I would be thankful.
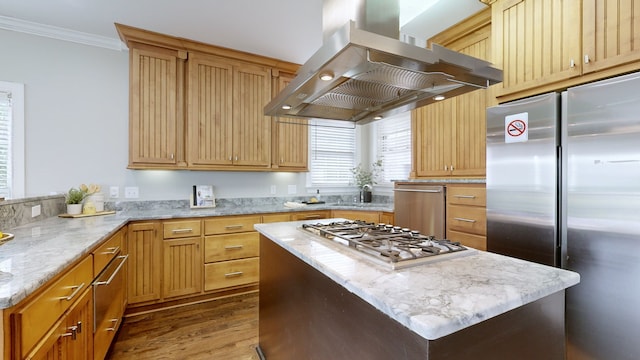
(221, 329)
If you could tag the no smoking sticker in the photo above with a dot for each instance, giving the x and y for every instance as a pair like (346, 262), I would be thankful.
(516, 128)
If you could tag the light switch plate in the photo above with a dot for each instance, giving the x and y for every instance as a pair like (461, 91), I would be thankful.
(114, 192)
(131, 192)
(273, 189)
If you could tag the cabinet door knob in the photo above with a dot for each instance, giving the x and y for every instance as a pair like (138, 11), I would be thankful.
(572, 63)
(586, 59)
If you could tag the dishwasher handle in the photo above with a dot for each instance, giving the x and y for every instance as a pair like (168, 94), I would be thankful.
(419, 190)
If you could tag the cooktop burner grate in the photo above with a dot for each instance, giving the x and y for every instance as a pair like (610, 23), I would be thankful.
(400, 247)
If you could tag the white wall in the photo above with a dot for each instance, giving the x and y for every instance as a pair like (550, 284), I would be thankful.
(76, 131)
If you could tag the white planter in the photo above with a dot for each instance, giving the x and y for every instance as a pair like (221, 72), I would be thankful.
(74, 209)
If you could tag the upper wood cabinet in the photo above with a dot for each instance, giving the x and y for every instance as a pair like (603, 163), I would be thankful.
(225, 119)
(155, 108)
(290, 136)
(199, 106)
(547, 45)
(449, 136)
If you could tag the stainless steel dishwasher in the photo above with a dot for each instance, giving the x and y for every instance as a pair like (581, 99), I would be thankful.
(421, 207)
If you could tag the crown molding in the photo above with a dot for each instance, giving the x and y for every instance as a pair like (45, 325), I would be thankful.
(54, 32)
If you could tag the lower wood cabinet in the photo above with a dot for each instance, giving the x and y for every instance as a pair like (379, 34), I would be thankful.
(466, 215)
(72, 336)
(231, 273)
(367, 216)
(182, 258)
(144, 270)
(311, 215)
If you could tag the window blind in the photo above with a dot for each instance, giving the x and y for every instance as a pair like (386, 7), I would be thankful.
(5, 143)
(332, 155)
(393, 140)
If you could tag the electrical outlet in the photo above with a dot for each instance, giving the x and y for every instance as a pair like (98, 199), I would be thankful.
(292, 189)
(131, 192)
(273, 189)
(114, 192)
(36, 210)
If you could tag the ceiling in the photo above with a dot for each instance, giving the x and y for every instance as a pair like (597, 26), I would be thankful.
(286, 29)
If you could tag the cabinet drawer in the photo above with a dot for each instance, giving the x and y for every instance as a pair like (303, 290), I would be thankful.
(471, 240)
(310, 215)
(231, 273)
(467, 219)
(228, 225)
(271, 218)
(37, 317)
(106, 252)
(367, 216)
(231, 246)
(462, 195)
(181, 229)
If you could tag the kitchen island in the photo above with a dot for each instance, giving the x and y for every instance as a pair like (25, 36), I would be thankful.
(320, 300)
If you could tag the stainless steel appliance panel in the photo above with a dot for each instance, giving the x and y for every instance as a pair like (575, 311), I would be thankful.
(522, 178)
(420, 207)
(603, 219)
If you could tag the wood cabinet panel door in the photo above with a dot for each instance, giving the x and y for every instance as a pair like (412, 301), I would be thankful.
(154, 106)
(182, 267)
(432, 128)
(536, 42)
(251, 128)
(210, 108)
(611, 33)
(291, 138)
(144, 264)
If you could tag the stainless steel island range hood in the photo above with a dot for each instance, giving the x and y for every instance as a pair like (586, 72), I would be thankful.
(363, 73)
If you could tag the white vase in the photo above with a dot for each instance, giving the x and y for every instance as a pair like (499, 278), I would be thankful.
(74, 209)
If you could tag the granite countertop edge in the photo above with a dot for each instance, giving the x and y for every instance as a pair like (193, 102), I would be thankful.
(43, 249)
(474, 287)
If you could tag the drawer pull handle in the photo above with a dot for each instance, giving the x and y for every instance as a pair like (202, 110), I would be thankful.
(465, 220)
(465, 196)
(312, 217)
(233, 247)
(76, 290)
(231, 227)
(124, 259)
(232, 274)
(181, 231)
(115, 325)
(112, 250)
(73, 333)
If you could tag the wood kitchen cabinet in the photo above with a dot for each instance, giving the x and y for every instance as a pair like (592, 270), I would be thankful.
(466, 215)
(225, 118)
(290, 136)
(547, 45)
(59, 321)
(231, 255)
(449, 136)
(72, 337)
(367, 216)
(199, 106)
(182, 267)
(156, 107)
(310, 215)
(144, 246)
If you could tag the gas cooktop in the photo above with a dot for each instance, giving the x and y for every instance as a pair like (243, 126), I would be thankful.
(393, 245)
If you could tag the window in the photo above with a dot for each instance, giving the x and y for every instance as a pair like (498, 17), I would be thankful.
(393, 146)
(332, 153)
(11, 140)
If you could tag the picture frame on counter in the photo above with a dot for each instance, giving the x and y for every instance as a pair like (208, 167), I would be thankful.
(202, 197)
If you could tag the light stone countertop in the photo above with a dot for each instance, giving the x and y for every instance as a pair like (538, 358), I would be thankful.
(43, 249)
(434, 299)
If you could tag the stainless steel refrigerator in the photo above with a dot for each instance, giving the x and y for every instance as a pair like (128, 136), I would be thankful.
(563, 189)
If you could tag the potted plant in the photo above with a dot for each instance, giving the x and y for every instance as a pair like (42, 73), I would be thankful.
(75, 196)
(365, 178)
(74, 199)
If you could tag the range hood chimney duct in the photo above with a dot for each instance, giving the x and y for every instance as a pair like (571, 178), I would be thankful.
(363, 72)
